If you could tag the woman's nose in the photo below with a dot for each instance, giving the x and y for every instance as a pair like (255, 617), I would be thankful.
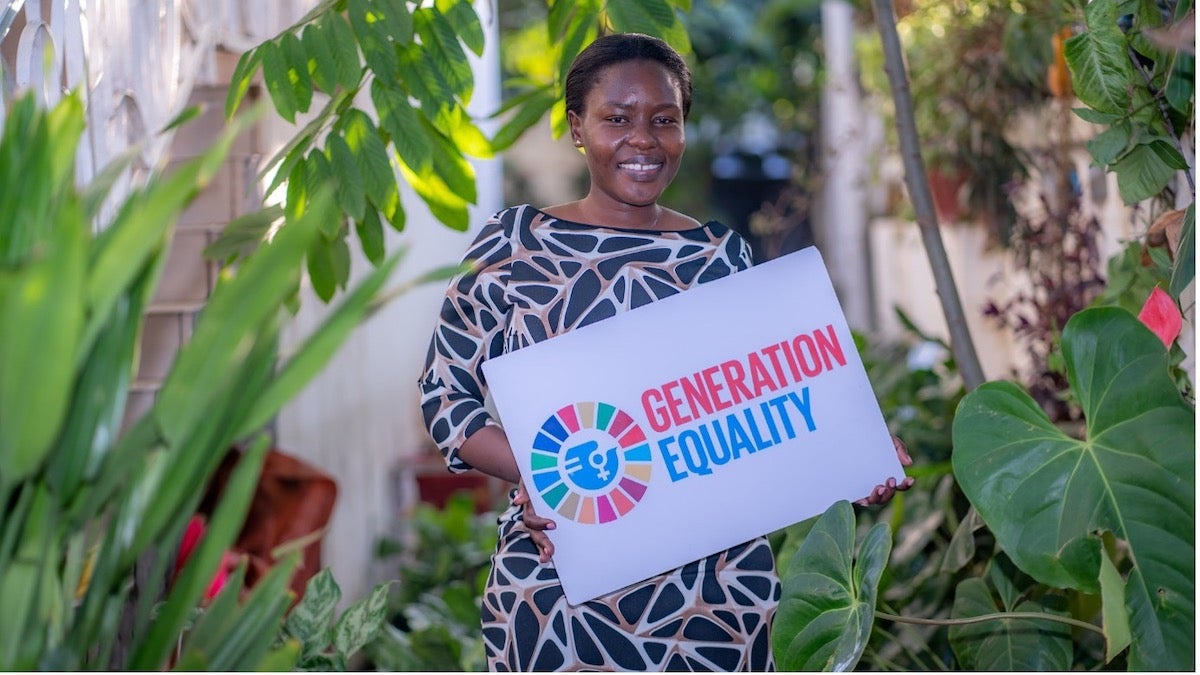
(642, 136)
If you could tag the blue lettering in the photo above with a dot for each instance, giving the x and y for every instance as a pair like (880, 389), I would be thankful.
(670, 458)
(737, 436)
(718, 458)
(759, 443)
(805, 408)
(693, 451)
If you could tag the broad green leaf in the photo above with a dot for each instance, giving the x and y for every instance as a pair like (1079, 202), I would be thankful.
(1181, 87)
(442, 54)
(361, 622)
(370, 236)
(580, 30)
(240, 304)
(1045, 494)
(534, 109)
(310, 621)
(370, 154)
(340, 257)
(1006, 644)
(1116, 617)
(961, 549)
(278, 81)
(280, 659)
(1101, 74)
(403, 123)
(465, 22)
(320, 269)
(239, 84)
(462, 131)
(1166, 151)
(151, 651)
(370, 27)
(422, 81)
(1184, 271)
(443, 203)
(828, 607)
(41, 327)
(297, 70)
(1111, 143)
(345, 50)
(451, 168)
(1097, 117)
(1141, 174)
(244, 234)
(347, 178)
(283, 160)
(296, 202)
(322, 65)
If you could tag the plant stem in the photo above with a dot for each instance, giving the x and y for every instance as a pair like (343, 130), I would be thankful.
(922, 199)
(998, 616)
(1162, 110)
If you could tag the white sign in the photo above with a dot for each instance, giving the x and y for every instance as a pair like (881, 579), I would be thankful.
(692, 424)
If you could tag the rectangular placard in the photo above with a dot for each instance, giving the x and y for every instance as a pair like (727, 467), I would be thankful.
(693, 424)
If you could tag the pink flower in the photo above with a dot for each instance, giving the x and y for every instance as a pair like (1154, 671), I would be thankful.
(1161, 315)
(192, 534)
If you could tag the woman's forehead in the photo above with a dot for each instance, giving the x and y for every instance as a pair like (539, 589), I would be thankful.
(628, 81)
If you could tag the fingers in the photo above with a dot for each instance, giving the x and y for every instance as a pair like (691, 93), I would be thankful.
(544, 546)
(535, 524)
(902, 452)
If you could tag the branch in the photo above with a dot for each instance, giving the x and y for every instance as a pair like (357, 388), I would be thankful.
(998, 616)
(1162, 110)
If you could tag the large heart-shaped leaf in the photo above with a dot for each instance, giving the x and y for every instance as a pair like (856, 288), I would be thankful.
(1047, 495)
(828, 606)
(1007, 644)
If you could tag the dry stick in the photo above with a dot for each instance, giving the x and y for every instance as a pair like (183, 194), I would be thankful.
(918, 190)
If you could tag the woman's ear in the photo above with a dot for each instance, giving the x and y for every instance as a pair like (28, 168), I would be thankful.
(575, 124)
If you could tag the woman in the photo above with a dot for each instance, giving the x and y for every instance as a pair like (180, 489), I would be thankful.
(543, 272)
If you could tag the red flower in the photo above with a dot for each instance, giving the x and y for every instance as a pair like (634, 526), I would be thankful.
(192, 534)
(1161, 315)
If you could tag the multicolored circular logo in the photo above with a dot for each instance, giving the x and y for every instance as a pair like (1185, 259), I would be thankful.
(591, 462)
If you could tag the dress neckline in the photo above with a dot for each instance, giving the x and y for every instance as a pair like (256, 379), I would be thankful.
(625, 230)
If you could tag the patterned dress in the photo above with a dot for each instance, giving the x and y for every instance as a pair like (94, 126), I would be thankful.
(538, 276)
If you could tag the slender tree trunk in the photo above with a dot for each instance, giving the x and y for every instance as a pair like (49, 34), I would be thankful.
(918, 190)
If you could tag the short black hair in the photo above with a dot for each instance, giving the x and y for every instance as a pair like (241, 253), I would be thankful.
(608, 50)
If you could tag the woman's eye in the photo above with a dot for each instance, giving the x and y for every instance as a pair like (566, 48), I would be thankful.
(666, 120)
(616, 119)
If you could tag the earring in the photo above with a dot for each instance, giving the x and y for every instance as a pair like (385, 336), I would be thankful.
(578, 143)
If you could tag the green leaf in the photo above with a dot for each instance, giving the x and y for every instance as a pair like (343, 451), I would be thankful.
(239, 84)
(1006, 644)
(1141, 174)
(370, 236)
(465, 23)
(370, 154)
(1045, 494)
(403, 123)
(297, 70)
(581, 29)
(443, 57)
(321, 269)
(368, 17)
(258, 621)
(828, 606)
(1101, 74)
(1097, 117)
(281, 659)
(279, 84)
(1116, 617)
(1111, 143)
(1181, 86)
(151, 651)
(1168, 154)
(310, 621)
(361, 622)
(347, 178)
(244, 234)
(322, 65)
(1184, 272)
(41, 326)
(345, 50)
(538, 103)
(240, 304)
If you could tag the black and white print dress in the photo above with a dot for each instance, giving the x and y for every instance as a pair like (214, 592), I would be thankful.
(537, 276)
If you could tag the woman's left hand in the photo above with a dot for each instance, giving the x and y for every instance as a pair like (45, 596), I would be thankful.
(884, 492)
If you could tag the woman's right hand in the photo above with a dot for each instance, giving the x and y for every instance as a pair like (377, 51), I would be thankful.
(536, 524)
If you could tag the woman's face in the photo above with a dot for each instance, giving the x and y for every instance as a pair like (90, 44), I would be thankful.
(631, 129)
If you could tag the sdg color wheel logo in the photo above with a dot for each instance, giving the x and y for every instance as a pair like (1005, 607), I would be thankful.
(591, 462)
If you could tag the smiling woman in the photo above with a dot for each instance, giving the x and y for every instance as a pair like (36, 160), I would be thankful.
(544, 272)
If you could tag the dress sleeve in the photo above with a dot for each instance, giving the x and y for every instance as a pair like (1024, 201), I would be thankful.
(469, 330)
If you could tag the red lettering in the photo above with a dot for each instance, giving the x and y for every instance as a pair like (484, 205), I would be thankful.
(772, 353)
(714, 388)
(830, 346)
(696, 395)
(810, 368)
(673, 403)
(657, 414)
(759, 377)
(791, 359)
(735, 377)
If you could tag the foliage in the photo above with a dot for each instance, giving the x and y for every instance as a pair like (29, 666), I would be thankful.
(1049, 497)
(825, 615)
(328, 642)
(412, 59)
(85, 500)
(973, 66)
(435, 610)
